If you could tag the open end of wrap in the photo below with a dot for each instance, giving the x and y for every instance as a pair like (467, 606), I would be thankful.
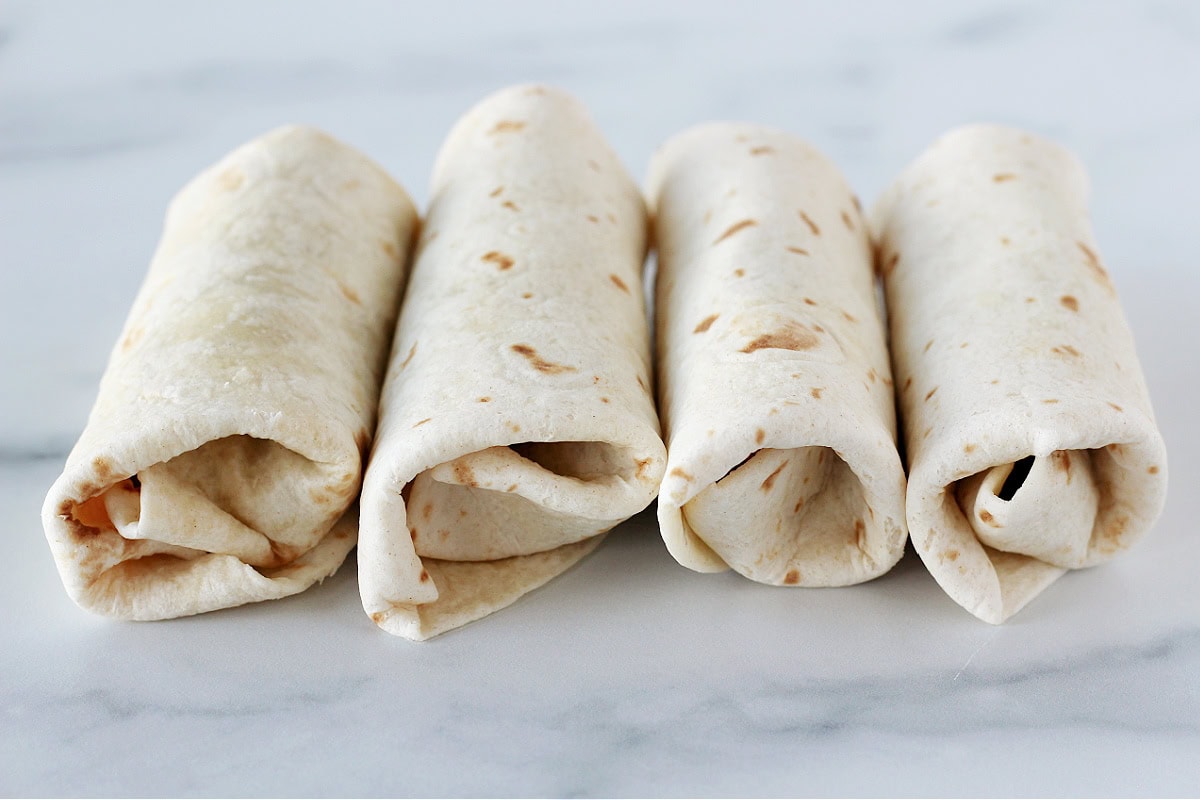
(250, 501)
(1001, 535)
(794, 517)
(584, 461)
(1045, 508)
(521, 499)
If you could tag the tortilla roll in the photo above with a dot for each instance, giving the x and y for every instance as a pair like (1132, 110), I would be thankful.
(775, 387)
(1031, 442)
(232, 422)
(517, 423)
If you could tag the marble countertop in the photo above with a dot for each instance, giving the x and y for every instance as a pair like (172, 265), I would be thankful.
(629, 674)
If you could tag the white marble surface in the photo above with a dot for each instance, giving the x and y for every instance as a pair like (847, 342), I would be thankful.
(628, 675)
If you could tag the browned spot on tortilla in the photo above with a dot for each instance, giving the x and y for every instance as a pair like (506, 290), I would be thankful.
(611, 217)
(931, 393)
(950, 555)
(994, 381)
(595, 379)
(593, 218)
(422, 422)
(860, 534)
(739, 273)
(462, 512)
(1001, 177)
(735, 228)
(526, 295)
(132, 338)
(850, 317)
(927, 432)
(705, 323)
(1093, 262)
(963, 345)
(1050, 401)
(968, 448)
(641, 465)
(514, 427)
(617, 282)
(424, 576)
(679, 472)
(506, 126)
(484, 400)
(510, 205)
(816, 392)
(792, 577)
(642, 383)
(318, 497)
(104, 469)
(231, 179)
(539, 363)
(809, 301)
(511, 489)
(1062, 460)
(790, 337)
(603, 399)
(443, 534)
(427, 511)
(987, 517)
(1005, 241)
(378, 617)
(1152, 470)
(907, 384)
(496, 192)
(846, 219)
(341, 535)
(708, 216)
(769, 481)
(592, 163)
(797, 250)
(812, 226)
(1069, 301)
(799, 505)
(350, 294)
(463, 474)
(928, 345)
(1115, 406)
(501, 261)
(411, 352)
(762, 150)
(872, 375)
(759, 435)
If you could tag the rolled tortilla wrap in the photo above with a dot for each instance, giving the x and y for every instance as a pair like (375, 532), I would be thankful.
(516, 423)
(232, 422)
(1032, 446)
(775, 387)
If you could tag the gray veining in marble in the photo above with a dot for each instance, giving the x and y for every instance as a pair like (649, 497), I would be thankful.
(629, 674)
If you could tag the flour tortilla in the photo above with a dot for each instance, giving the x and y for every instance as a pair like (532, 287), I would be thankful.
(776, 391)
(1012, 354)
(232, 422)
(516, 421)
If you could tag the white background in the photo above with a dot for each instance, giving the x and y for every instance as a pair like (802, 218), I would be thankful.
(629, 674)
